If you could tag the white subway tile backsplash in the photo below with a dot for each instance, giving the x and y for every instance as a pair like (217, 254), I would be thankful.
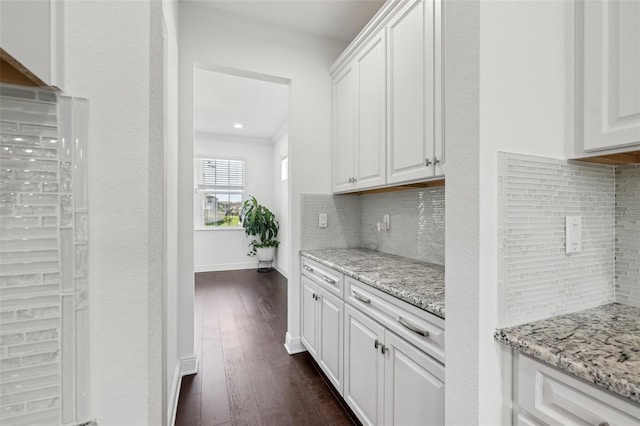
(343, 221)
(416, 217)
(416, 223)
(627, 263)
(537, 279)
(38, 174)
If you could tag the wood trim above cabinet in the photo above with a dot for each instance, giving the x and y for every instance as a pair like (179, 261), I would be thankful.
(405, 187)
(632, 157)
(13, 72)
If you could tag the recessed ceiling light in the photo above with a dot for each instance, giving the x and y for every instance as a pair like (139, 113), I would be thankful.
(238, 125)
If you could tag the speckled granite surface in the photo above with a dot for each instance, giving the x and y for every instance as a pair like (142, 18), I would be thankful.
(418, 283)
(600, 345)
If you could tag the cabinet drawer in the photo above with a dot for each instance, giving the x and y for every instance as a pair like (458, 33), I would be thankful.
(324, 276)
(556, 398)
(422, 329)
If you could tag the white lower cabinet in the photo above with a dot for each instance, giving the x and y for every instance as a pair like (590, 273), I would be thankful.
(364, 366)
(546, 396)
(384, 356)
(330, 327)
(414, 385)
(309, 315)
(322, 320)
(388, 380)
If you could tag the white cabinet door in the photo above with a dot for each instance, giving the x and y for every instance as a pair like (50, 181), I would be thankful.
(611, 74)
(33, 33)
(558, 399)
(330, 326)
(309, 315)
(410, 108)
(364, 366)
(343, 131)
(370, 147)
(414, 385)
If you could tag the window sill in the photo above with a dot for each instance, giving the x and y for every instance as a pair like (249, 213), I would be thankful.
(221, 228)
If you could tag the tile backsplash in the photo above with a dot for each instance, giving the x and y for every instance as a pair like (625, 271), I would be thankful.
(343, 219)
(536, 278)
(416, 222)
(627, 239)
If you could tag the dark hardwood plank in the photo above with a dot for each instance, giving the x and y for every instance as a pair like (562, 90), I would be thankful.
(246, 376)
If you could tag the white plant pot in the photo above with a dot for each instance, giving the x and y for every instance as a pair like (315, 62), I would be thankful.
(266, 254)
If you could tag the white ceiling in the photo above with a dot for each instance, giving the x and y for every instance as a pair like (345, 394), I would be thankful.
(335, 19)
(221, 100)
(262, 107)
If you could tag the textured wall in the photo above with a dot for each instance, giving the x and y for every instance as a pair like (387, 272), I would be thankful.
(416, 223)
(627, 241)
(537, 279)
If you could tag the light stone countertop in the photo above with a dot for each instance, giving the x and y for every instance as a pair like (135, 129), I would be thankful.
(418, 283)
(600, 345)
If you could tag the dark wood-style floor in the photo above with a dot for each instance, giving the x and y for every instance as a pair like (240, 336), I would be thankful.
(245, 375)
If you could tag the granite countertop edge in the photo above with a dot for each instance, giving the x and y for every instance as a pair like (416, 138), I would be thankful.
(601, 378)
(424, 304)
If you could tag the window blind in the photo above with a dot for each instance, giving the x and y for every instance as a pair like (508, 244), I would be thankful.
(219, 175)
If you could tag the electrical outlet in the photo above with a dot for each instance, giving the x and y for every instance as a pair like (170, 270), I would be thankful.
(322, 220)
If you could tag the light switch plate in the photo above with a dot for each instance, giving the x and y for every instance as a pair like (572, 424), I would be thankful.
(322, 220)
(573, 231)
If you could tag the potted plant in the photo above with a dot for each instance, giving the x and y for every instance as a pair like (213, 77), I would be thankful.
(258, 221)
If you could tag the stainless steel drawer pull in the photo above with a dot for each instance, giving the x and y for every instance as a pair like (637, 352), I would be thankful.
(412, 327)
(361, 297)
(329, 280)
(604, 424)
(308, 268)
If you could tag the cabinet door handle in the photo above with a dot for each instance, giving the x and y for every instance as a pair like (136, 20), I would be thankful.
(375, 344)
(412, 327)
(315, 297)
(427, 162)
(360, 297)
(382, 349)
(355, 180)
(350, 180)
(308, 268)
(436, 161)
(329, 280)
(604, 424)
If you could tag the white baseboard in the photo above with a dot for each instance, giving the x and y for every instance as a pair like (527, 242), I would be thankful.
(226, 267)
(184, 367)
(282, 271)
(188, 366)
(174, 392)
(293, 346)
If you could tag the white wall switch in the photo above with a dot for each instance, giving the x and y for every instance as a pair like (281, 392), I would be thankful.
(573, 228)
(322, 220)
(385, 219)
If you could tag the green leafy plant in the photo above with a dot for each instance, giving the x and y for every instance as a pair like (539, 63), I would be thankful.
(258, 221)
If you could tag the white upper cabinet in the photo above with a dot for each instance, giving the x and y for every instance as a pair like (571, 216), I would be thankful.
(611, 75)
(33, 33)
(387, 99)
(410, 143)
(343, 130)
(370, 149)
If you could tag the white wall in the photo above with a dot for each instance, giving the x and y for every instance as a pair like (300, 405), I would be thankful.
(108, 51)
(172, 361)
(216, 38)
(226, 249)
(281, 200)
(521, 103)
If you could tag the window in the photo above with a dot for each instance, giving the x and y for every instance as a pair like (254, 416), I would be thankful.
(219, 187)
(284, 169)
